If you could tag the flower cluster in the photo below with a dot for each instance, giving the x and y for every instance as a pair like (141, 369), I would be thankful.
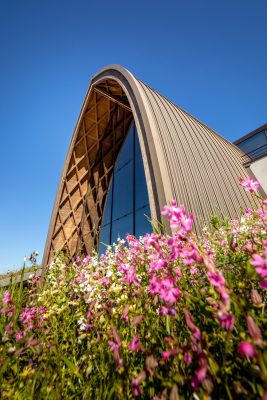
(157, 317)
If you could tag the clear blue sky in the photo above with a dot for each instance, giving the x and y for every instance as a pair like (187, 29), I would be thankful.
(208, 56)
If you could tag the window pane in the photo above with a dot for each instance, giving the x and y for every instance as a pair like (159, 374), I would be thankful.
(119, 207)
(121, 227)
(142, 225)
(136, 143)
(255, 144)
(104, 239)
(126, 153)
(107, 211)
(123, 191)
(141, 195)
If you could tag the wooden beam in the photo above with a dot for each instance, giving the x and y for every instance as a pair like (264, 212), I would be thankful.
(113, 99)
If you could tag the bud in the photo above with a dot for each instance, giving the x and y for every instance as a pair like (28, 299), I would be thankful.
(140, 377)
(207, 385)
(174, 395)
(254, 330)
(151, 364)
(256, 298)
(233, 245)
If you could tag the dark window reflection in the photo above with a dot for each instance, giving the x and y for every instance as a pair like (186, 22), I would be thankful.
(123, 191)
(142, 225)
(126, 153)
(256, 145)
(107, 214)
(127, 202)
(141, 195)
(121, 227)
(104, 238)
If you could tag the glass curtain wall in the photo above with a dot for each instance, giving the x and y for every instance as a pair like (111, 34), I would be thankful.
(127, 204)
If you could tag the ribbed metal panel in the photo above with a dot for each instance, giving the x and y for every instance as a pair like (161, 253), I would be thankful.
(183, 160)
(203, 168)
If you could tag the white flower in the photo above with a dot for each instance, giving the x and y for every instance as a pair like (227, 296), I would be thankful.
(89, 288)
(81, 321)
(82, 327)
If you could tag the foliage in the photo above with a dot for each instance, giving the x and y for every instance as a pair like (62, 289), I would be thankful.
(159, 317)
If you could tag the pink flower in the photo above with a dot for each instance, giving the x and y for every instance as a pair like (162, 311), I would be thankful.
(168, 292)
(187, 223)
(30, 326)
(125, 312)
(136, 382)
(200, 373)
(117, 358)
(7, 299)
(263, 283)
(164, 310)
(113, 346)
(20, 335)
(28, 314)
(151, 241)
(155, 284)
(167, 311)
(157, 265)
(260, 263)
(86, 260)
(169, 353)
(8, 311)
(216, 278)
(187, 357)
(131, 277)
(223, 293)
(246, 349)
(135, 343)
(178, 218)
(249, 184)
(105, 281)
(227, 321)
(194, 270)
(9, 328)
(136, 388)
(117, 343)
(191, 325)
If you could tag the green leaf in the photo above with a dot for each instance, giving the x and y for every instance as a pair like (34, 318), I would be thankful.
(214, 367)
(71, 366)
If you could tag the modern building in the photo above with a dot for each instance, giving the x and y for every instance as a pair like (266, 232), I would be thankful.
(254, 145)
(132, 152)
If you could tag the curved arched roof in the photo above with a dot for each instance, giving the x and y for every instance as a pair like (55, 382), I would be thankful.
(183, 160)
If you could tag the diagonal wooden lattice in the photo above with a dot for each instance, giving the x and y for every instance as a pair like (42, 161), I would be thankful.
(101, 131)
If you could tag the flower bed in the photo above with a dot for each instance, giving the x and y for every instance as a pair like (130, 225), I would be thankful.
(160, 317)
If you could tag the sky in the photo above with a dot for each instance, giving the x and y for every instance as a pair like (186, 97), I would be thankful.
(207, 56)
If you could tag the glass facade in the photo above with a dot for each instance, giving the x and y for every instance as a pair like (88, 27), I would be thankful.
(255, 146)
(127, 204)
